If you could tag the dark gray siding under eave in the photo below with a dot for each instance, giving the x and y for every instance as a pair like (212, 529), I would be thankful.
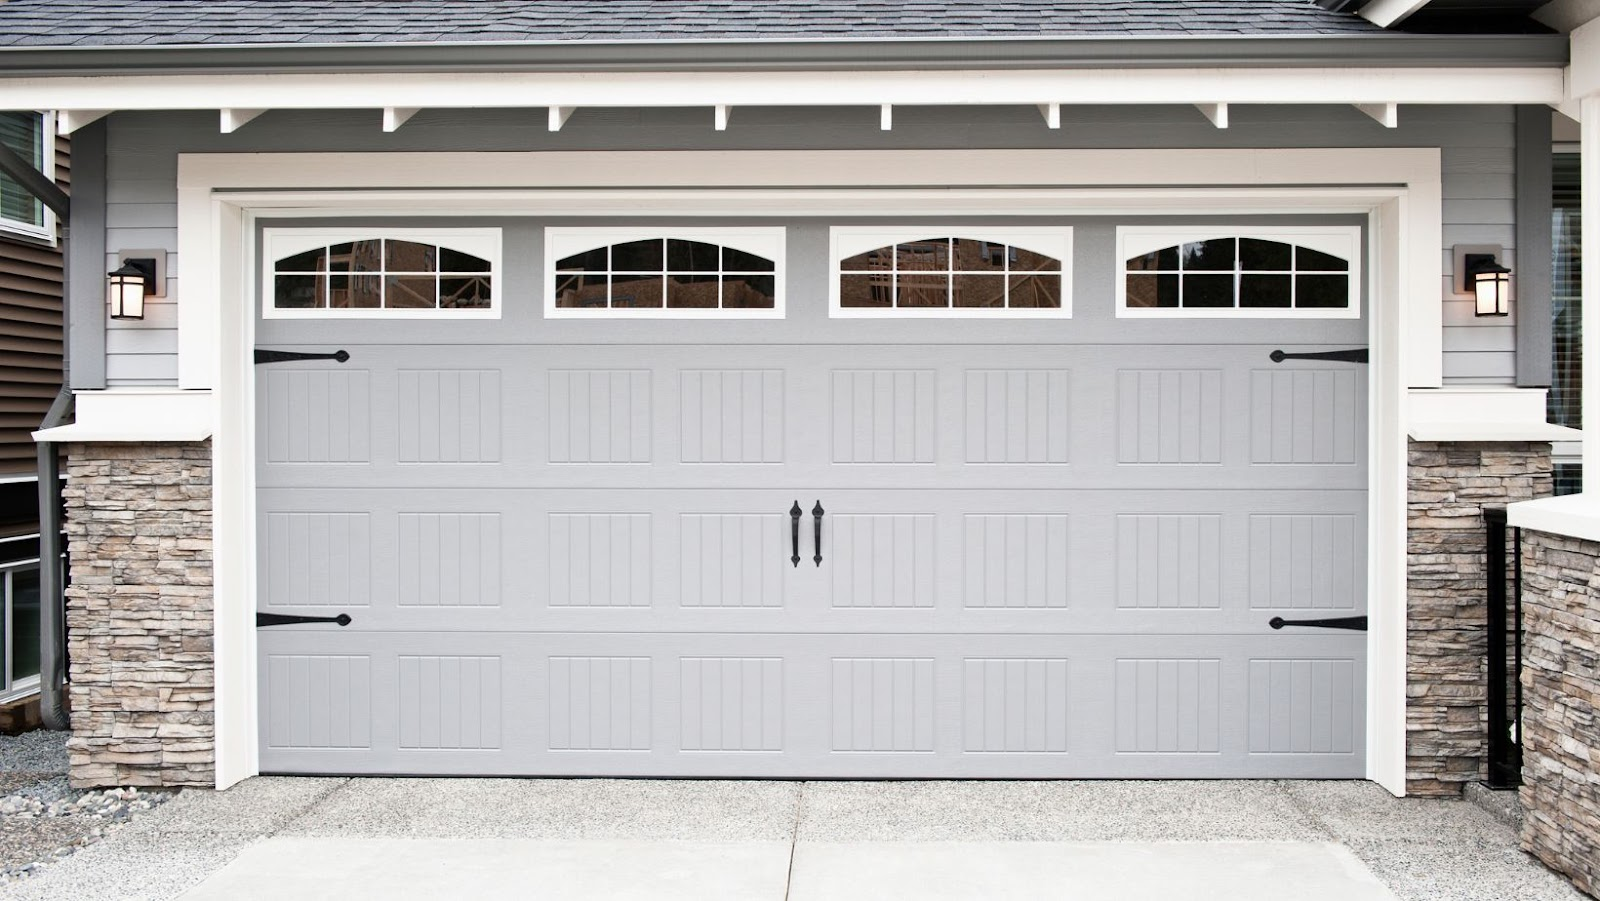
(30, 335)
(1477, 142)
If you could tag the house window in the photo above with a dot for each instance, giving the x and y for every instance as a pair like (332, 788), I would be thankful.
(951, 272)
(391, 273)
(705, 273)
(1566, 311)
(1215, 272)
(32, 137)
(19, 591)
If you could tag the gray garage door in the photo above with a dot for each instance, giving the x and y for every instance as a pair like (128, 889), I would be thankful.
(1047, 548)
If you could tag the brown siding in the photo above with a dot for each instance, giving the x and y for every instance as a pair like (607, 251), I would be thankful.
(30, 336)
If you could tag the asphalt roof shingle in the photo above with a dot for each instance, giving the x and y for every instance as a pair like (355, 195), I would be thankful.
(87, 23)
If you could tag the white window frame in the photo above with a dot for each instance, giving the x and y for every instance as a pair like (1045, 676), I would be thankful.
(47, 231)
(845, 241)
(12, 688)
(280, 242)
(768, 242)
(1343, 241)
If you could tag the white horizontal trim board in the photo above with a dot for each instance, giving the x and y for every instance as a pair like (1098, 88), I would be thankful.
(988, 87)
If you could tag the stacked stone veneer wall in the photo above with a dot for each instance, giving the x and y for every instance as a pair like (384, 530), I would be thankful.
(1561, 697)
(139, 614)
(1447, 608)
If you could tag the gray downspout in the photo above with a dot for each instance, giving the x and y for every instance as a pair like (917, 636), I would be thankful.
(52, 580)
(53, 613)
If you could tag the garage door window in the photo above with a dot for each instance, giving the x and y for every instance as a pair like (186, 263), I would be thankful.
(707, 273)
(951, 272)
(395, 273)
(1288, 273)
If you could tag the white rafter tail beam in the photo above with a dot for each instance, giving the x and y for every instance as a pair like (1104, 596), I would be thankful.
(1389, 13)
(886, 117)
(559, 116)
(396, 116)
(235, 119)
(723, 111)
(1216, 112)
(1051, 113)
(70, 120)
(1385, 114)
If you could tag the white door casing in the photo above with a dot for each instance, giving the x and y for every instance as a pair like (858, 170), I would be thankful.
(221, 196)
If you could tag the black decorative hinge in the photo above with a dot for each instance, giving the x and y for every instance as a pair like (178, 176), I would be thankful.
(1354, 355)
(290, 356)
(1352, 623)
(285, 619)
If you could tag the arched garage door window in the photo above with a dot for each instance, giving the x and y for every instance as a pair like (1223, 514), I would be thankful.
(393, 273)
(950, 272)
(709, 273)
(1248, 274)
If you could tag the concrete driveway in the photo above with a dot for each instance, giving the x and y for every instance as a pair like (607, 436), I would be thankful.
(577, 840)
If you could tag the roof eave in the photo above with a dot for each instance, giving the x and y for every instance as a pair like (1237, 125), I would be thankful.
(1310, 51)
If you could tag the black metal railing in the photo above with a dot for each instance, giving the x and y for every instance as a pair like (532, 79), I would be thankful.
(1504, 696)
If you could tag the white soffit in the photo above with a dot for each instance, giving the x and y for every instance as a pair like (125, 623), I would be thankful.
(1208, 88)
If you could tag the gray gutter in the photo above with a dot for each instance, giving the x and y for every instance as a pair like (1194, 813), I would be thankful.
(1298, 51)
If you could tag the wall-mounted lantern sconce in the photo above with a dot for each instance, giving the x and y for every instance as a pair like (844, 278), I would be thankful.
(128, 285)
(1480, 276)
(141, 276)
(1491, 285)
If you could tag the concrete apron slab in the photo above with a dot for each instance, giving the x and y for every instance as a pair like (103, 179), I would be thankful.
(391, 868)
(1081, 871)
(306, 869)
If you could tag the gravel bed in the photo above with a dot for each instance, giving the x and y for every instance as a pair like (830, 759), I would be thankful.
(42, 818)
(38, 751)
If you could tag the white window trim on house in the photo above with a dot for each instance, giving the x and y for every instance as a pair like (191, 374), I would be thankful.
(222, 197)
(561, 242)
(47, 231)
(845, 241)
(1340, 241)
(277, 243)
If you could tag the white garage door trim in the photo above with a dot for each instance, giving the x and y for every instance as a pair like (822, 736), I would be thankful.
(215, 229)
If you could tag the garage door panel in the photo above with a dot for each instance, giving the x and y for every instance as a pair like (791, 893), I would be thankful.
(1046, 706)
(1070, 416)
(892, 561)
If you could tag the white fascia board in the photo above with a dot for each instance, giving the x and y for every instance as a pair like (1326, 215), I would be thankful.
(1389, 13)
(1344, 85)
(124, 415)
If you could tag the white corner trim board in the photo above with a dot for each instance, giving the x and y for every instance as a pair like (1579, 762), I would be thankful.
(137, 415)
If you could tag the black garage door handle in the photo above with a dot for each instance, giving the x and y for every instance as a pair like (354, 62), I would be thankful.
(285, 619)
